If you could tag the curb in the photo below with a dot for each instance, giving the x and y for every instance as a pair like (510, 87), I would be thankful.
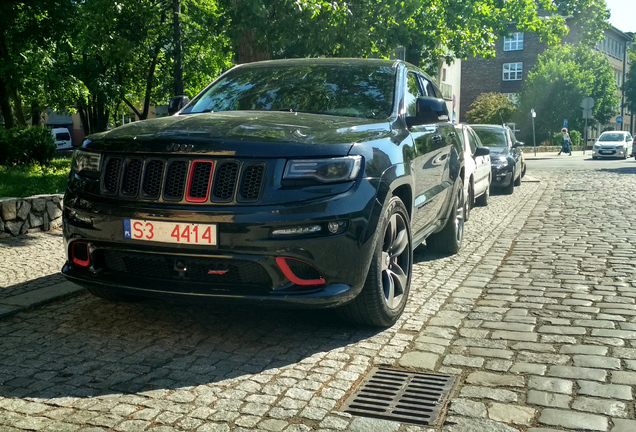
(18, 303)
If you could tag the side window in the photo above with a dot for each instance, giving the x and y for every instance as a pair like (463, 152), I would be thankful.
(472, 142)
(430, 89)
(413, 90)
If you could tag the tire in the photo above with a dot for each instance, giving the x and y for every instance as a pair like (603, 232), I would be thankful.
(386, 288)
(594, 157)
(114, 296)
(470, 199)
(523, 169)
(482, 200)
(511, 187)
(518, 180)
(449, 239)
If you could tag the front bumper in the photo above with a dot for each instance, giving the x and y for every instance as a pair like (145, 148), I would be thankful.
(245, 264)
(608, 153)
(501, 177)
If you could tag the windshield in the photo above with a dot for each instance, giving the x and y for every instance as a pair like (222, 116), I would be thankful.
(612, 137)
(492, 137)
(357, 91)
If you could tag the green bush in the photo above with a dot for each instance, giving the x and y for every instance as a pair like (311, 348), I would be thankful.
(19, 146)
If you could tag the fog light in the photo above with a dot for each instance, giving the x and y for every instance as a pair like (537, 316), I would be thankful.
(297, 230)
(334, 227)
(80, 255)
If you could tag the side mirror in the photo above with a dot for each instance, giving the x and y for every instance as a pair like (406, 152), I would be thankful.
(176, 103)
(518, 144)
(482, 151)
(429, 110)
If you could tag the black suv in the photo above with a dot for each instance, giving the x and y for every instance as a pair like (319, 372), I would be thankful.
(301, 182)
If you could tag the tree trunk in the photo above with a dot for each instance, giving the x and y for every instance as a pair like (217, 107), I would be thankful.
(36, 114)
(178, 61)
(5, 105)
(17, 107)
(245, 52)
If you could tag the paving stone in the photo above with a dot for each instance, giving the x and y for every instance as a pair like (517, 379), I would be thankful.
(363, 424)
(531, 346)
(458, 360)
(488, 393)
(468, 424)
(621, 425)
(593, 361)
(552, 400)
(515, 336)
(611, 391)
(528, 368)
(577, 373)
(584, 349)
(487, 352)
(573, 420)
(570, 330)
(621, 334)
(468, 408)
(514, 414)
(550, 384)
(623, 377)
(419, 360)
(495, 380)
(599, 406)
(498, 365)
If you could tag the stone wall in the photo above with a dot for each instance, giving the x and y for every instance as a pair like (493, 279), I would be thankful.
(34, 213)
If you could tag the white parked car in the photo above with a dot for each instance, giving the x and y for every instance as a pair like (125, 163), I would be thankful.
(478, 172)
(613, 144)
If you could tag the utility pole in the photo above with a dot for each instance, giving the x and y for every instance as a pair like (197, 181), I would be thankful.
(178, 65)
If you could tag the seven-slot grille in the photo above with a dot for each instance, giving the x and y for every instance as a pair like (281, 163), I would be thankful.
(182, 179)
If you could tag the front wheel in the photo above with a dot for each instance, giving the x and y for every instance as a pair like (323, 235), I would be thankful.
(511, 186)
(449, 239)
(386, 288)
(470, 199)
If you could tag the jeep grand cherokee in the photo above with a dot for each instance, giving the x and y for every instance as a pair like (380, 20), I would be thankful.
(301, 182)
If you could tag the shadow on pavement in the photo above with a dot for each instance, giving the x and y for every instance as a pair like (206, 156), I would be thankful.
(87, 347)
(622, 170)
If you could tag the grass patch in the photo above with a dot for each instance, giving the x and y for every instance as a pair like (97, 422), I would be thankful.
(25, 180)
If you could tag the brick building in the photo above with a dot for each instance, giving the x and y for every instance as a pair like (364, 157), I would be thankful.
(517, 54)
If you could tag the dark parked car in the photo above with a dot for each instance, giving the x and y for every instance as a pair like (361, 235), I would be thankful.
(506, 158)
(297, 182)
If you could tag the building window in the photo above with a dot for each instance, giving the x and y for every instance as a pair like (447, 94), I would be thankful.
(514, 42)
(513, 71)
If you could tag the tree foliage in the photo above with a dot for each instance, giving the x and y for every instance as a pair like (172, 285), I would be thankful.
(556, 86)
(491, 108)
(629, 86)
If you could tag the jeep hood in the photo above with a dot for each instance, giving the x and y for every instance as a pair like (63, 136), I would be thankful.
(244, 133)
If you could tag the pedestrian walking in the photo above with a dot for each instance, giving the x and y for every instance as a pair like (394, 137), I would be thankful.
(565, 144)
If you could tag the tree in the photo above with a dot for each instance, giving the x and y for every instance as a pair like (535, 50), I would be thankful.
(363, 28)
(28, 30)
(491, 108)
(629, 86)
(556, 86)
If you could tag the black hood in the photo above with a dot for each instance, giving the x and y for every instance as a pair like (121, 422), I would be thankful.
(243, 133)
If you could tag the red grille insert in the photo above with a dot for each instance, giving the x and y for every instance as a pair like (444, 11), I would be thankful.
(300, 267)
(199, 181)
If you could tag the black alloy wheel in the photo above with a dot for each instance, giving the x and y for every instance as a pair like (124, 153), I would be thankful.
(385, 292)
(511, 186)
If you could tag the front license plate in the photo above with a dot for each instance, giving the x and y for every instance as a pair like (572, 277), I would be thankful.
(606, 152)
(170, 232)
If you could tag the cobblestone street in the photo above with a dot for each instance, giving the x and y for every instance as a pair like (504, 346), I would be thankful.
(536, 315)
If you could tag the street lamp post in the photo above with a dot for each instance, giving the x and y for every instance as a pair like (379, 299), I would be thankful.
(534, 139)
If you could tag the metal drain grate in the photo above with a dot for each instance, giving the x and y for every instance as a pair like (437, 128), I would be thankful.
(407, 397)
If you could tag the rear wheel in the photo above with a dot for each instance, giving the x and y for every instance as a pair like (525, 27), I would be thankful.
(482, 200)
(383, 297)
(114, 296)
(470, 199)
(449, 239)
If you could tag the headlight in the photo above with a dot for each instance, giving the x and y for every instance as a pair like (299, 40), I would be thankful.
(332, 170)
(620, 147)
(500, 162)
(86, 163)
